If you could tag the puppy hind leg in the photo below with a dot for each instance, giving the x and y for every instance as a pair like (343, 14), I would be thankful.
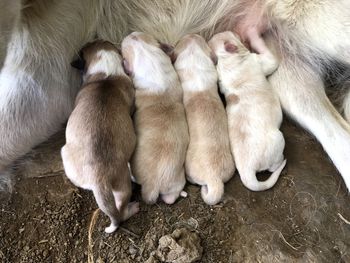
(122, 192)
(302, 96)
(177, 189)
(150, 193)
(126, 209)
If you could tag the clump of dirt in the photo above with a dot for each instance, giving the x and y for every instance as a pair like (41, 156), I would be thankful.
(182, 246)
(304, 218)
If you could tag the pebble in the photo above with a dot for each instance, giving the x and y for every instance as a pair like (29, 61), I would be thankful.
(132, 250)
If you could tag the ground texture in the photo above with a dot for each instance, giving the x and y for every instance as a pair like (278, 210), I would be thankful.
(304, 218)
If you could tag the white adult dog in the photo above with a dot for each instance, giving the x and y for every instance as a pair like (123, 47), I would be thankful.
(37, 85)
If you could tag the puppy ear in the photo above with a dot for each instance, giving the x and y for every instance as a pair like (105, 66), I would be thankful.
(79, 63)
(229, 47)
(127, 67)
(173, 57)
(168, 49)
(214, 58)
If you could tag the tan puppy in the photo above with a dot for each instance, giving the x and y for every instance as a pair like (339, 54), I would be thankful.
(253, 109)
(100, 137)
(160, 121)
(209, 160)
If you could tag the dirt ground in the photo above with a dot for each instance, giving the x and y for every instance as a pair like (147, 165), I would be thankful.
(304, 218)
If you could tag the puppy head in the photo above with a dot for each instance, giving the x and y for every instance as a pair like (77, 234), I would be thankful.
(99, 57)
(140, 50)
(227, 44)
(194, 43)
(147, 60)
(195, 63)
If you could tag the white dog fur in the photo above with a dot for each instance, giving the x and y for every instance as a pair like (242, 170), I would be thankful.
(253, 110)
(209, 160)
(37, 85)
(160, 121)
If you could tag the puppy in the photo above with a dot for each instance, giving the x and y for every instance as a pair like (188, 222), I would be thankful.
(253, 109)
(209, 160)
(100, 137)
(160, 121)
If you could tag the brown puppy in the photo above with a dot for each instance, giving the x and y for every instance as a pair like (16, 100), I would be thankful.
(160, 121)
(100, 137)
(209, 161)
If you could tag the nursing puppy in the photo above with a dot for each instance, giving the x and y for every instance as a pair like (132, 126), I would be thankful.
(38, 85)
(253, 109)
(208, 161)
(100, 137)
(160, 121)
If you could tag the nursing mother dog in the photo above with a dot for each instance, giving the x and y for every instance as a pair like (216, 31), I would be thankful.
(38, 86)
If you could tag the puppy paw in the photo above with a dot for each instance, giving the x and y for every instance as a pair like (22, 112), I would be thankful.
(170, 198)
(111, 229)
(134, 207)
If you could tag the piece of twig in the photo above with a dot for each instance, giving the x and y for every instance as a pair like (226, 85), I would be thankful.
(344, 220)
(90, 241)
(127, 231)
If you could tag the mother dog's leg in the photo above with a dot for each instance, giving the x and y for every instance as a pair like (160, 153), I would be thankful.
(9, 17)
(37, 84)
(302, 95)
(346, 104)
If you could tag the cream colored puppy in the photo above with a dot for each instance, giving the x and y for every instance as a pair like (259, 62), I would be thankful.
(160, 121)
(209, 160)
(100, 137)
(253, 109)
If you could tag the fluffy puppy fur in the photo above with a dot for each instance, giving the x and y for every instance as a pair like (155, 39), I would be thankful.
(209, 160)
(253, 110)
(160, 121)
(100, 137)
(38, 87)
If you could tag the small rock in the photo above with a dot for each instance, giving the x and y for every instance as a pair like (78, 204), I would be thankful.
(152, 259)
(132, 250)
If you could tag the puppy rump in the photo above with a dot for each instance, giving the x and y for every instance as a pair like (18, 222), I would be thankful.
(213, 191)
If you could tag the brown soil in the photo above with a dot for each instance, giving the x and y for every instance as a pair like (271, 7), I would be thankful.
(302, 219)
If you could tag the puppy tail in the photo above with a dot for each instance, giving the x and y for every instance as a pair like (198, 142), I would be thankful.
(105, 199)
(213, 191)
(250, 181)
